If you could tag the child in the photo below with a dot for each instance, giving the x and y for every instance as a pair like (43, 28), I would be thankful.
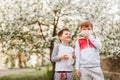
(64, 57)
(87, 54)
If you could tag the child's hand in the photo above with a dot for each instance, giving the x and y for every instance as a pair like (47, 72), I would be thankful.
(86, 35)
(64, 57)
(78, 73)
(73, 56)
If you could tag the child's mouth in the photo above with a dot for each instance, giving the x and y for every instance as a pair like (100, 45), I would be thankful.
(69, 37)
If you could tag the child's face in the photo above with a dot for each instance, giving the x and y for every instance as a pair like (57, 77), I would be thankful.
(66, 36)
(86, 30)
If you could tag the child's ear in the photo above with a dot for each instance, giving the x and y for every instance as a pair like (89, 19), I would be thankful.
(80, 30)
(59, 38)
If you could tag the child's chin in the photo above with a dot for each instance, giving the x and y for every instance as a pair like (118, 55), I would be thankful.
(69, 40)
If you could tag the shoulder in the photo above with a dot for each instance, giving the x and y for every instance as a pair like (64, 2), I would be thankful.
(71, 48)
(79, 39)
(56, 45)
(95, 37)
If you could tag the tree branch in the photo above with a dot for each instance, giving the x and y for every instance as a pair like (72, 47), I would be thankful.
(41, 30)
(55, 23)
(38, 23)
(75, 33)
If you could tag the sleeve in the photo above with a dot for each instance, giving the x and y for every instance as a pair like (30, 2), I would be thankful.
(54, 57)
(95, 41)
(77, 53)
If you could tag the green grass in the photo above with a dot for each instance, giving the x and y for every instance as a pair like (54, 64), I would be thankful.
(43, 74)
(34, 75)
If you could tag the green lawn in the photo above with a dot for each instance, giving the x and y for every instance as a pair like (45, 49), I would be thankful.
(43, 74)
(34, 75)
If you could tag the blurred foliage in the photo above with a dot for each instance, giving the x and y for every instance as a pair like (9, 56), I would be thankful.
(33, 25)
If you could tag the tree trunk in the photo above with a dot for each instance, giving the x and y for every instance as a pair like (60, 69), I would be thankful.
(21, 60)
(53, 63)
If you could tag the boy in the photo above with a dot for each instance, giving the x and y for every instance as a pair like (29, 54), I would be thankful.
(87, 54)
(64, 57)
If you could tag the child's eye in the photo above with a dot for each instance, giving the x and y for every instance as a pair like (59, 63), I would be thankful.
(66, 33)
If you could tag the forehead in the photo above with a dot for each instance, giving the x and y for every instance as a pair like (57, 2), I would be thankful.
(64, 32)
(86, 27)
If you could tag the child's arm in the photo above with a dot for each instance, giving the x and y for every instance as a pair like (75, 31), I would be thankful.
(77, 53)
(95, 41)
(54, 57)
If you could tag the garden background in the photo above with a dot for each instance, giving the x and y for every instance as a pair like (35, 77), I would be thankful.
(28, 28)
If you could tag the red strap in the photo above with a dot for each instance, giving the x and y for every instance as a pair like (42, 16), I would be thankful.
(61, 75)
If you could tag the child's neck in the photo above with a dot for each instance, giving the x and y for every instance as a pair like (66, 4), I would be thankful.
(65, 43)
